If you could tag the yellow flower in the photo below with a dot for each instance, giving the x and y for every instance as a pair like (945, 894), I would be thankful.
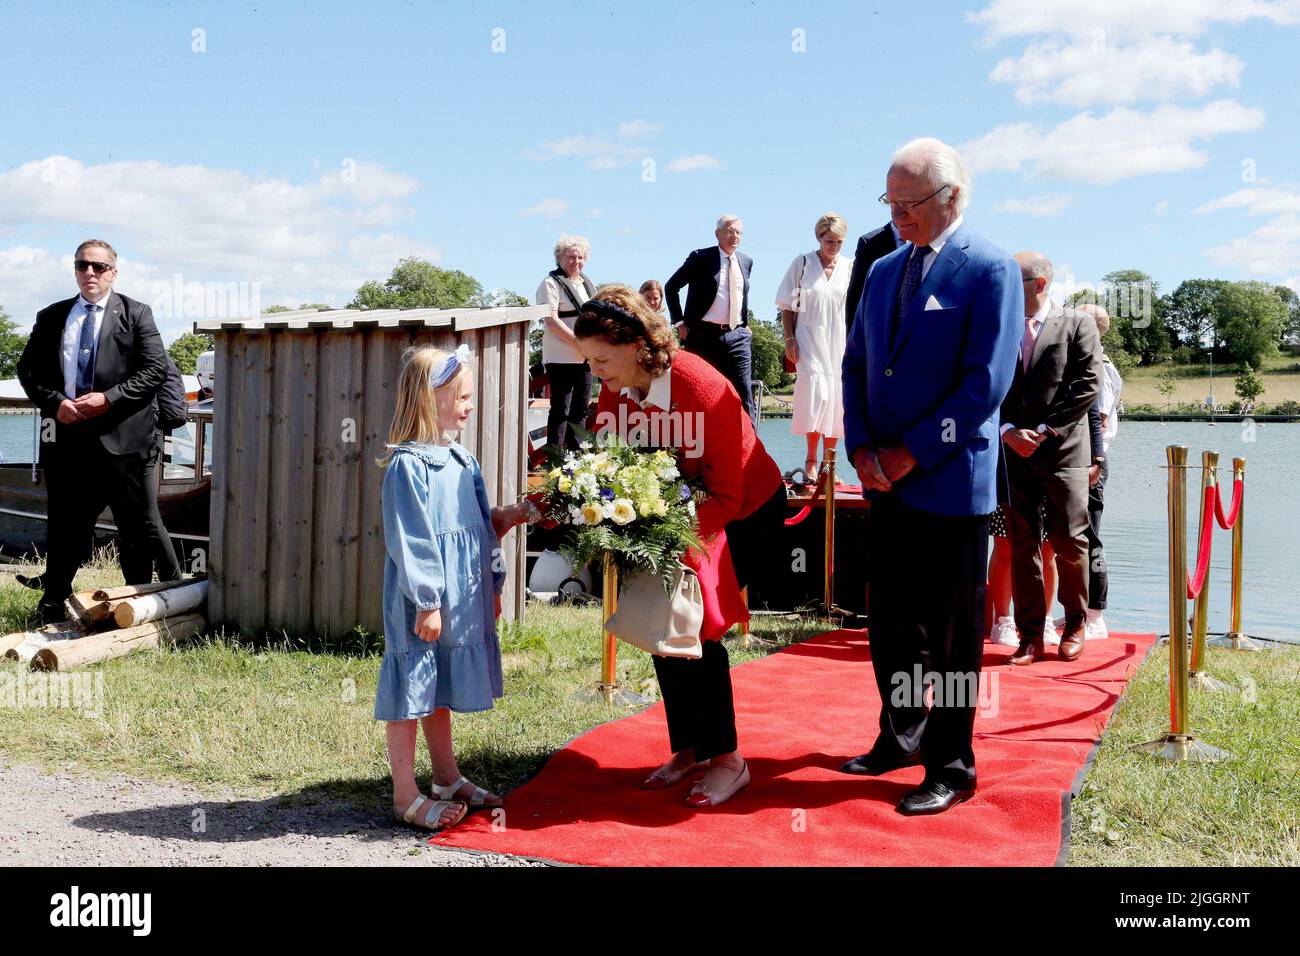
(565, 483)
(623, 511)
(592, 514)
(555, 472)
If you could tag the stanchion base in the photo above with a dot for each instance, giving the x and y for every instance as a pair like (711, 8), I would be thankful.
(611, 694)
(1200, 680)
(1176, 747)
(1236, 642)
(748, 640)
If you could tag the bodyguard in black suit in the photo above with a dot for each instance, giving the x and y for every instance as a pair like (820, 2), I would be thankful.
(715, 324)
(92, 365)
(871, 246)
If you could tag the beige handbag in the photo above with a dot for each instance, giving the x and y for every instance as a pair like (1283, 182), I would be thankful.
(663, 623)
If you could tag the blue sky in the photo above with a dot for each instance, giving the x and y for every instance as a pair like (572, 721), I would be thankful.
(301, 149)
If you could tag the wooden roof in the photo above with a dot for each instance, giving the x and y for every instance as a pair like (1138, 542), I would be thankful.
(458, 320)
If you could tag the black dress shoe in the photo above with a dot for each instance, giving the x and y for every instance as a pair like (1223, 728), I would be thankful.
(933, 797)
(35, 582)
(870, 765)
(51, 613)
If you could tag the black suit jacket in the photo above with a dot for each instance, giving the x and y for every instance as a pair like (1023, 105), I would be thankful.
(130, 365)
(1062, 381)
(699, 273)
(871, 246)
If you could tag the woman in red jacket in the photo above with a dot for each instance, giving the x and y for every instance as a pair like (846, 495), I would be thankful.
(650, 389)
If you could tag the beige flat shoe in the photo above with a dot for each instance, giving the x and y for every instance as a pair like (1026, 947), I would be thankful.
(700, 797)
(662, 778)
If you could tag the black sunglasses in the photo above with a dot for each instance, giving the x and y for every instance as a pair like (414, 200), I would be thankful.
(81, 265)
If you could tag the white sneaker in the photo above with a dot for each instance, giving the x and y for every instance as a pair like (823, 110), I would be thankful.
(1094, 628)
(1050, 637)
(1004, 632)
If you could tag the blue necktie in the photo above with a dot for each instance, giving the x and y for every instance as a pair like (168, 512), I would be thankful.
(911, 282)
(86, 353)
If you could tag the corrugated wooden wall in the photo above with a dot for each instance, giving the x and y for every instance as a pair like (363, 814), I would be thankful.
(300, 416)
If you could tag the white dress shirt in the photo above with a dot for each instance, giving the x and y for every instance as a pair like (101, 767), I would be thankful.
(72, 338)
(937, 244)
(720, 311)
(659, 394)
(1039, 318)
(554, 349)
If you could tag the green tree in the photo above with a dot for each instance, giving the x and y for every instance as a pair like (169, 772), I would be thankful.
(1249, 318)
(418, 284)
(504, 298)
(186, 350)
(1189, 312)
(318, 306)
(1167, 384)
(1136, 315)
(1248, 385)
(1291, 329)
(12, 343)
(276, 308)
(767, 345)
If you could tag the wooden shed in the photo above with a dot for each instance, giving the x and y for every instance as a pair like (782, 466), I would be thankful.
(303, 405)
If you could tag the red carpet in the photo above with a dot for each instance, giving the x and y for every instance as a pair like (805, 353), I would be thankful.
(800, 714)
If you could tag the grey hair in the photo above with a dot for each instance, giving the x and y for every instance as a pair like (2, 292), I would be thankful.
(565, 243)
(724, 220)
(941, 163)
(98, 244)
(1035, 265)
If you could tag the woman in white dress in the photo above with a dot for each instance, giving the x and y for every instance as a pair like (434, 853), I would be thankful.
(811, 299)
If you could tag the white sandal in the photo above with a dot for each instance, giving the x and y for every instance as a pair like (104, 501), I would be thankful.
(434, 814)
(476, 800)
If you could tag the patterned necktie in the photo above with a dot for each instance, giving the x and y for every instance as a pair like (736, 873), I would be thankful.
(86, 352)
(911, 282)
(735, 291)
(1027, 344)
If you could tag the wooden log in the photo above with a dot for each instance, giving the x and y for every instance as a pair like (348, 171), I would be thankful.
(153, 607)
(93, 648)
(135, 590)
(21, 645)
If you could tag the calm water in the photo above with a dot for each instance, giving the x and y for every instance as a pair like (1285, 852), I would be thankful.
(1134, 526)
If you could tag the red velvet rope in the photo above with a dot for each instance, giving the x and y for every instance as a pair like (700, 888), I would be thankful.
(1227, 523)
(806, 510)
(1203, 548)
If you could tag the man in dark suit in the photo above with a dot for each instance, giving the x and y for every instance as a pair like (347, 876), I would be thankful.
(1048, 444)
(929, 360)
(715, 324)
(92, 366)
(871, 246)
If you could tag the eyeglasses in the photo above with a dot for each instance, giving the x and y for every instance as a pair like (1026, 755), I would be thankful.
(884, 200)
(81, 265)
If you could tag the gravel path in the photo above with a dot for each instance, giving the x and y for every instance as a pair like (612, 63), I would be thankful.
(55, 819)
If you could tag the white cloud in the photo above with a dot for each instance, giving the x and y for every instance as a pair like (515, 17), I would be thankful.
(1045, 205)
(550, 207)
(1273, 249)
(1117, 145)
(1119, 18)
(636, 129)
(315, 240)
(1149, 69)
(693, 163)
(1161, 206)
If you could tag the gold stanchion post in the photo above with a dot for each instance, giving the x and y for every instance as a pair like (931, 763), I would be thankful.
(1236, 638)
(1198, 676)
(1179, 743)
(608, 690)
(826, 475)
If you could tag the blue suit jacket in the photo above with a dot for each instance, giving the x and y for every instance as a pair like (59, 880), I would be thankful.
(938, 388)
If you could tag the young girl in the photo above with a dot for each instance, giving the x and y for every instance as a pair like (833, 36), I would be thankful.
(442, 585)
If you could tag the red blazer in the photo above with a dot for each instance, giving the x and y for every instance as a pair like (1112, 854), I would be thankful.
(715, 441)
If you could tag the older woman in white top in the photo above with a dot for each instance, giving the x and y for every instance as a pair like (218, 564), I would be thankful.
(565, 289)
(811, 299)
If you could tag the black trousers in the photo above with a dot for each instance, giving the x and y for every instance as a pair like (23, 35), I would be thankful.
(162, 553)
(729, 352)
(1098, 583)
(697, 693)
(81, 478)
(570, 397)
(926, 581)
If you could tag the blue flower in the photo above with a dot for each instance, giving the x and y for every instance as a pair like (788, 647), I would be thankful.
(607, 494)
(684, 491)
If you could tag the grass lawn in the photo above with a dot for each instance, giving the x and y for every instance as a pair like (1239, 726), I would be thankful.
(1281, 375)
(284, 717)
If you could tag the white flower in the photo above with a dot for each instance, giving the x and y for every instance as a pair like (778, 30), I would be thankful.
(584, 445)
(575, 515)
(623, 511)
(668, 474)
(690, 508)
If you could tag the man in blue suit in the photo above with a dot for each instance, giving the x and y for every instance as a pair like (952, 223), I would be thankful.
(715, 323)
(930, 358)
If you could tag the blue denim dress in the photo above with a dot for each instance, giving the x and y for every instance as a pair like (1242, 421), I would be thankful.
(441, 549)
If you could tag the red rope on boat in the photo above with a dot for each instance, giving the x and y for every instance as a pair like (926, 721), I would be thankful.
(1203, 548)
(806, 510)
(1227, 523)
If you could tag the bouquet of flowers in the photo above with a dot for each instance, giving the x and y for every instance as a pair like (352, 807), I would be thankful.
(613, 498)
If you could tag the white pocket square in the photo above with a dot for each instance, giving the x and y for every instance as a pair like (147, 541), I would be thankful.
(931, 304)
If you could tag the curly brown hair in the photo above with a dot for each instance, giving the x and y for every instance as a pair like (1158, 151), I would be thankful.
(631, 320)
